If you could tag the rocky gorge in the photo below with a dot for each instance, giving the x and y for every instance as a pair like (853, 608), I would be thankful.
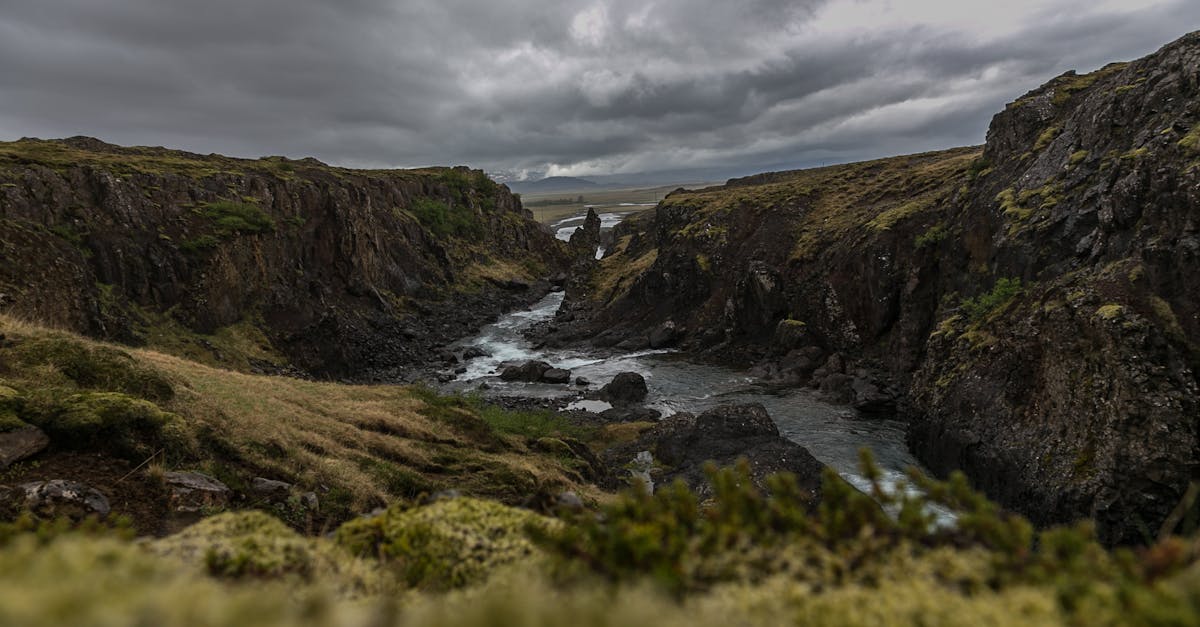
(328, 389)
(1028, 307)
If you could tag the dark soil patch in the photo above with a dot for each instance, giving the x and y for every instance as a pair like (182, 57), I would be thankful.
(135, 495)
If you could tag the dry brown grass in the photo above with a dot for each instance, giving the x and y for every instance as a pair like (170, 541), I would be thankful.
(358, 445)
(617, 273)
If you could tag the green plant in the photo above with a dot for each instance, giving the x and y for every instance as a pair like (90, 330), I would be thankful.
(1003, 291)
(932, 236)
(231, 217)
(456, 219)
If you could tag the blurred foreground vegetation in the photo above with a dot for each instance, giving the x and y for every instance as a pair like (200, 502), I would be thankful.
(664, 559)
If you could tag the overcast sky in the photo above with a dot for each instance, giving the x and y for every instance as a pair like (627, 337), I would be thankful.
(559, 87)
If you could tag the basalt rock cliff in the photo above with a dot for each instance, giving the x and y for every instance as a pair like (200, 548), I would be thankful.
(1030, 306)
(260, 264)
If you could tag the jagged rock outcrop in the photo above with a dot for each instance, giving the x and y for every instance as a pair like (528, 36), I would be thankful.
(682, 445)
(274, 262)
(586, 238)
(1030, 307)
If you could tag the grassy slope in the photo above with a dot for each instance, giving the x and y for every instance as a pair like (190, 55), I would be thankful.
(819, 207)
(357, 446)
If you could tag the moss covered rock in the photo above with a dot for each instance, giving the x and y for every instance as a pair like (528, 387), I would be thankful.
(447, 544)
(94, 367)
(10, 404)
(255, 545)
(123, 425)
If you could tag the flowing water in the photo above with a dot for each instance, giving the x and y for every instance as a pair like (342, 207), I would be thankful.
(832, 434)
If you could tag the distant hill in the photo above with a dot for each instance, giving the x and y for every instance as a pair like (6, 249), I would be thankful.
(552, 184)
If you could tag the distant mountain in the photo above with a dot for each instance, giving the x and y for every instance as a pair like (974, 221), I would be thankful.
(552, 184)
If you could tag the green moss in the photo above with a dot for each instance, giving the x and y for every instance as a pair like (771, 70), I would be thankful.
(482, 420)
(1002, 292)
(1067, 86)
(239, 346)
(128, 427)
(200, 243)
(1012, 207)
(234, 218)
(448, 544)
(1078, 157)
(932, 236)
(1135, 154)
(11, 404)
(1046, 137)
(1110, 312)
(255, 545)
(1163, 311)
(1191, 141)
(444, 220)
(886, 220)
(93, 367)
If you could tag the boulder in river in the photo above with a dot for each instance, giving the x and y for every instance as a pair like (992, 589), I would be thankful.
(664, 335)
(682, 444)
(474, 352)
(627, 388)
(530, 371)
(556, 375)
(630, 414)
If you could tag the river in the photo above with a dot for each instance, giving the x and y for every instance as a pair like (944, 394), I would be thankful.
(833, 434)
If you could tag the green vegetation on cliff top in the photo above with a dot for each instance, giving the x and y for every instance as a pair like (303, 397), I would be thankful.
(825, 204)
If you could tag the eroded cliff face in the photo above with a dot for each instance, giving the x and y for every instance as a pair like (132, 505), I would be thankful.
(1031, 307)
(260, 263)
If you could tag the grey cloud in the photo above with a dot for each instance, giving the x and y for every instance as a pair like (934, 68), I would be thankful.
(599, 86)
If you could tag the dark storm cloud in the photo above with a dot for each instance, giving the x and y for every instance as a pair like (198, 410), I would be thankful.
(573, 87)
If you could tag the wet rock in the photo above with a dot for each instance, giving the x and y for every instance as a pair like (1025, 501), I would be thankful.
(630, 414)
(586, 238)
(627, 388)
(460, 370)
(869, 398)
(682, 444)
(20, 444)
(582, 382)
(664, 335)
(310, 501)
(196, 492)
(61, 498)
(838, 388)
(474, 352)
(530, 371)
(789, 335)
(634, 343)
(556, 375)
